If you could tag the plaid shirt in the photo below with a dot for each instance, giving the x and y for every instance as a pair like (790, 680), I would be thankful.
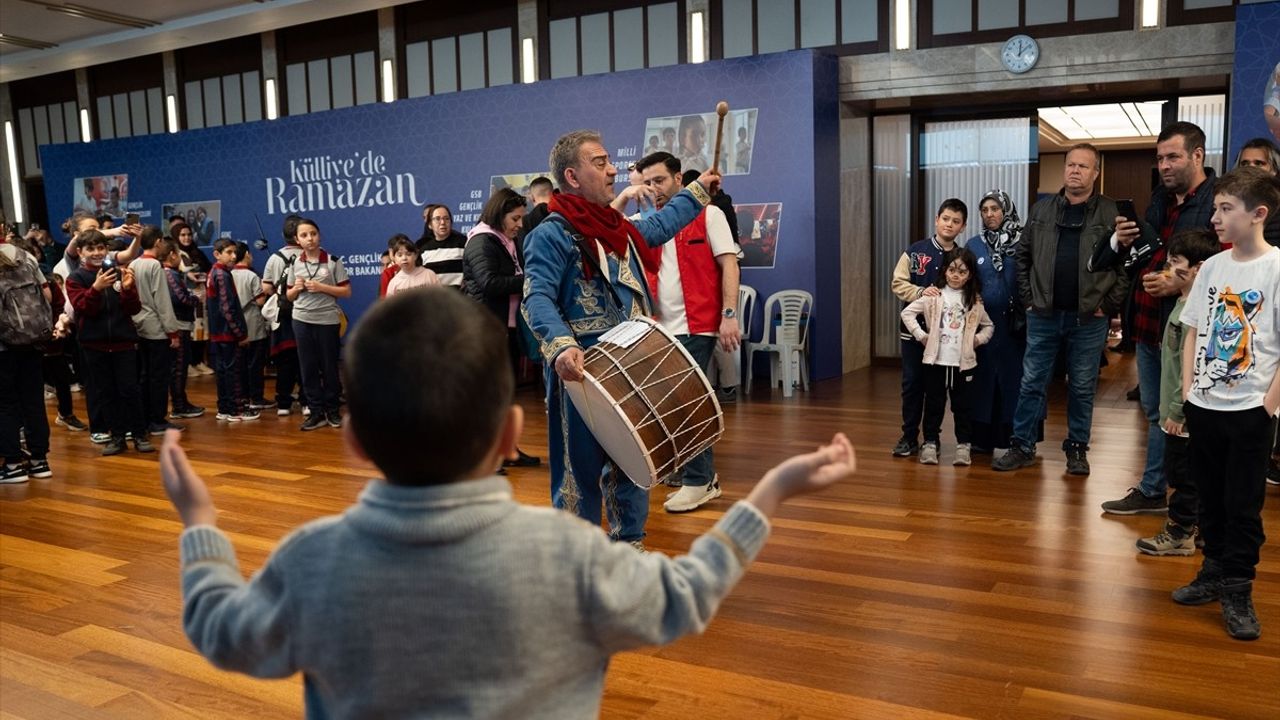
(1167, 217)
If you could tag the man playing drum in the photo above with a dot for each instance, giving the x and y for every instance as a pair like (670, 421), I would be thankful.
(697, 302)
(587, 268)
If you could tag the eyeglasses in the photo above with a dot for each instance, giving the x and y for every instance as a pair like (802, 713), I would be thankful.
(440, 219)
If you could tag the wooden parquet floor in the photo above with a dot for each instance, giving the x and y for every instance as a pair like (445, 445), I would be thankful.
(909, 592)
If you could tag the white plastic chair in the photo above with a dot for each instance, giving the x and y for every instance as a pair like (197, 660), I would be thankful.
(746, 316)
(788, 342)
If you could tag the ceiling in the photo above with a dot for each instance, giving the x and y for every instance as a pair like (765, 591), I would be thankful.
(1115, 126)
(169, 25)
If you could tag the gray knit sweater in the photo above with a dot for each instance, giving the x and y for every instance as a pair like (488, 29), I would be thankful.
(453, 601)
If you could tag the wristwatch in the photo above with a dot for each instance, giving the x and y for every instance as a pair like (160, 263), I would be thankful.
(729, 313)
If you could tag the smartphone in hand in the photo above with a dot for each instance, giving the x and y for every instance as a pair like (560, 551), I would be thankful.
(1126, 210)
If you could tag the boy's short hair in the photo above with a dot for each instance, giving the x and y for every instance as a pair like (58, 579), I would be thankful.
(222, 244)
(1253, 187)
(1195, 245)
(291, 228)
(150, 235)
(90, 239)
(954, 205)
(242, 249)
(428, 385)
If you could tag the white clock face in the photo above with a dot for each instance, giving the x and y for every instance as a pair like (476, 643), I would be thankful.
(1020, 53)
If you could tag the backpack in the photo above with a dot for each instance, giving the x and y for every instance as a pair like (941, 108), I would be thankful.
(278, 309)
(26, 319)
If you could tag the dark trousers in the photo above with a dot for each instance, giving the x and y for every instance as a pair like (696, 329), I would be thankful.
(113, 392)
(22, 405)
(57, 372)
(700, 471)
(255, 368)
(287, 376)
(912, 387)
(1228, 452)
(178, 378)
(1184, 500)
(228, 369)
(98, 422)
(939, 380)
(155, 359)
(318, 360)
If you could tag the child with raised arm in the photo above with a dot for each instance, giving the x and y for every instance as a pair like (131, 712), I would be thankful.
(437, 594)
(1229, 378)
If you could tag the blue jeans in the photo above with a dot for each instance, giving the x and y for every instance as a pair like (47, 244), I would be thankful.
(1046, 333)
(699, 471)
(1153, 482)
(583, 479)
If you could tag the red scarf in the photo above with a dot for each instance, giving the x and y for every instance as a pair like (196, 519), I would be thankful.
(606, 225)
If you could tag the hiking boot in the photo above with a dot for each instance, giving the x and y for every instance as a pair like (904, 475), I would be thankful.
(1077, 461)
(906, 447)
(1205, 588)
(1237, 609)
(692, 497)
(929, 453)
(963, 455)
(1014, 459)
(1172, 540)
(71, 422)
(1135, 503)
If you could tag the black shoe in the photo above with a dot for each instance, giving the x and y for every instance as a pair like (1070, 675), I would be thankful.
(979, 450)
(334, 419)
(1077, 461)
(13, 474)
(727, 396)
(906, 447)
(1237, 609)
(1014, 459)
(191, 411)
(114, 446)
(39, 468)
(314, 421)
(522, 460)
(160, 428)
(1205, 588)
(1134, 395)
(143, 445)
(1135, 503)
(261, 404)
(1273, 472)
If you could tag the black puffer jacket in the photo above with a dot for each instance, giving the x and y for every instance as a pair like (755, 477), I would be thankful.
(489, 274)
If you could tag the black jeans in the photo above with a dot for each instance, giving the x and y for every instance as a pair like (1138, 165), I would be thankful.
(1184, 500)
(287, 375)
(228, 371)
(57, 372)
(22, 405)
(318, 359)
(155, 360)
(1228, 452)
(255, 365)
(938, 381)
(912, 387)
(178, 378)
(113, 392)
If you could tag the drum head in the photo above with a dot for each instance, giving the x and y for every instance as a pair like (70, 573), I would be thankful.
(613, 430)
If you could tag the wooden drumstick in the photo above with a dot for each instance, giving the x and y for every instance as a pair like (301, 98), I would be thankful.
(722, 109)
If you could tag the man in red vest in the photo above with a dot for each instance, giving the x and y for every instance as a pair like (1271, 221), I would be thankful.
(697, 298)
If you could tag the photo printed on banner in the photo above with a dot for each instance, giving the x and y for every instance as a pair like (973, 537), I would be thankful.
(691, 138)
(517, 181)
(204, 217)
(758, 227)
(102, 195)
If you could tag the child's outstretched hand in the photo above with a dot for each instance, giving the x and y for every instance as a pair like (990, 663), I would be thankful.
(804, 474)
(186, 490)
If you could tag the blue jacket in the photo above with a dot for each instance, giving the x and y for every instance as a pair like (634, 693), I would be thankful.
(563, 308)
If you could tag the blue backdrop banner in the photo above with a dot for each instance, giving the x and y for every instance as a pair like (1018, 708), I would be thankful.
(1255, 77)
(364, 173)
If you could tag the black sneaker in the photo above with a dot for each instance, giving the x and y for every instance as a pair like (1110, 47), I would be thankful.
(1077, 461)
(114, 446)
(1014, 459)
(1134, 395)
(727, 396)
(71, 422)
(13, 474)
(523, 460)
(143, 445)
(1136, 503)
(160, 428)
(261, 404)
(1205, 588)
(1237, 609)
(334, 419)
(191, 411)
(314, 421)
(39, 468)
(906, 447)
(1273, 472)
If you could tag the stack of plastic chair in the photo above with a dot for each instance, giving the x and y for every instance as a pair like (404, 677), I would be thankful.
(746, 316)
(786, 338)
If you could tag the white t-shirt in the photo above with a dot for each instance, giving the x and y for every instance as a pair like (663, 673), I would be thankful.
(1234, 308)
(950, 327)
(670, 291)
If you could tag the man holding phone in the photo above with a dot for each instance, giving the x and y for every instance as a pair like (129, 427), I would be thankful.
(1183, 201)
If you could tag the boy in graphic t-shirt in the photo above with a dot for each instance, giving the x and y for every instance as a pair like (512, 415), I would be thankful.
(1230, 357)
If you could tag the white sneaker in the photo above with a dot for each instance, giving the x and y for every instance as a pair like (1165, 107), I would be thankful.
(929, 453)
(282, 412)
(692, 497)
(963, 455)
(225, 417)
(201, 369)
(306, 411)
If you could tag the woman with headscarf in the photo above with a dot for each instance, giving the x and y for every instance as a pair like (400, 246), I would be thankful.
(194, 265)
(999, 373)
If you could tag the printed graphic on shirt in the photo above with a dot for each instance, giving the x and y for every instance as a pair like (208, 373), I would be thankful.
(1227, 354)
(920, 263)
(952, 322)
